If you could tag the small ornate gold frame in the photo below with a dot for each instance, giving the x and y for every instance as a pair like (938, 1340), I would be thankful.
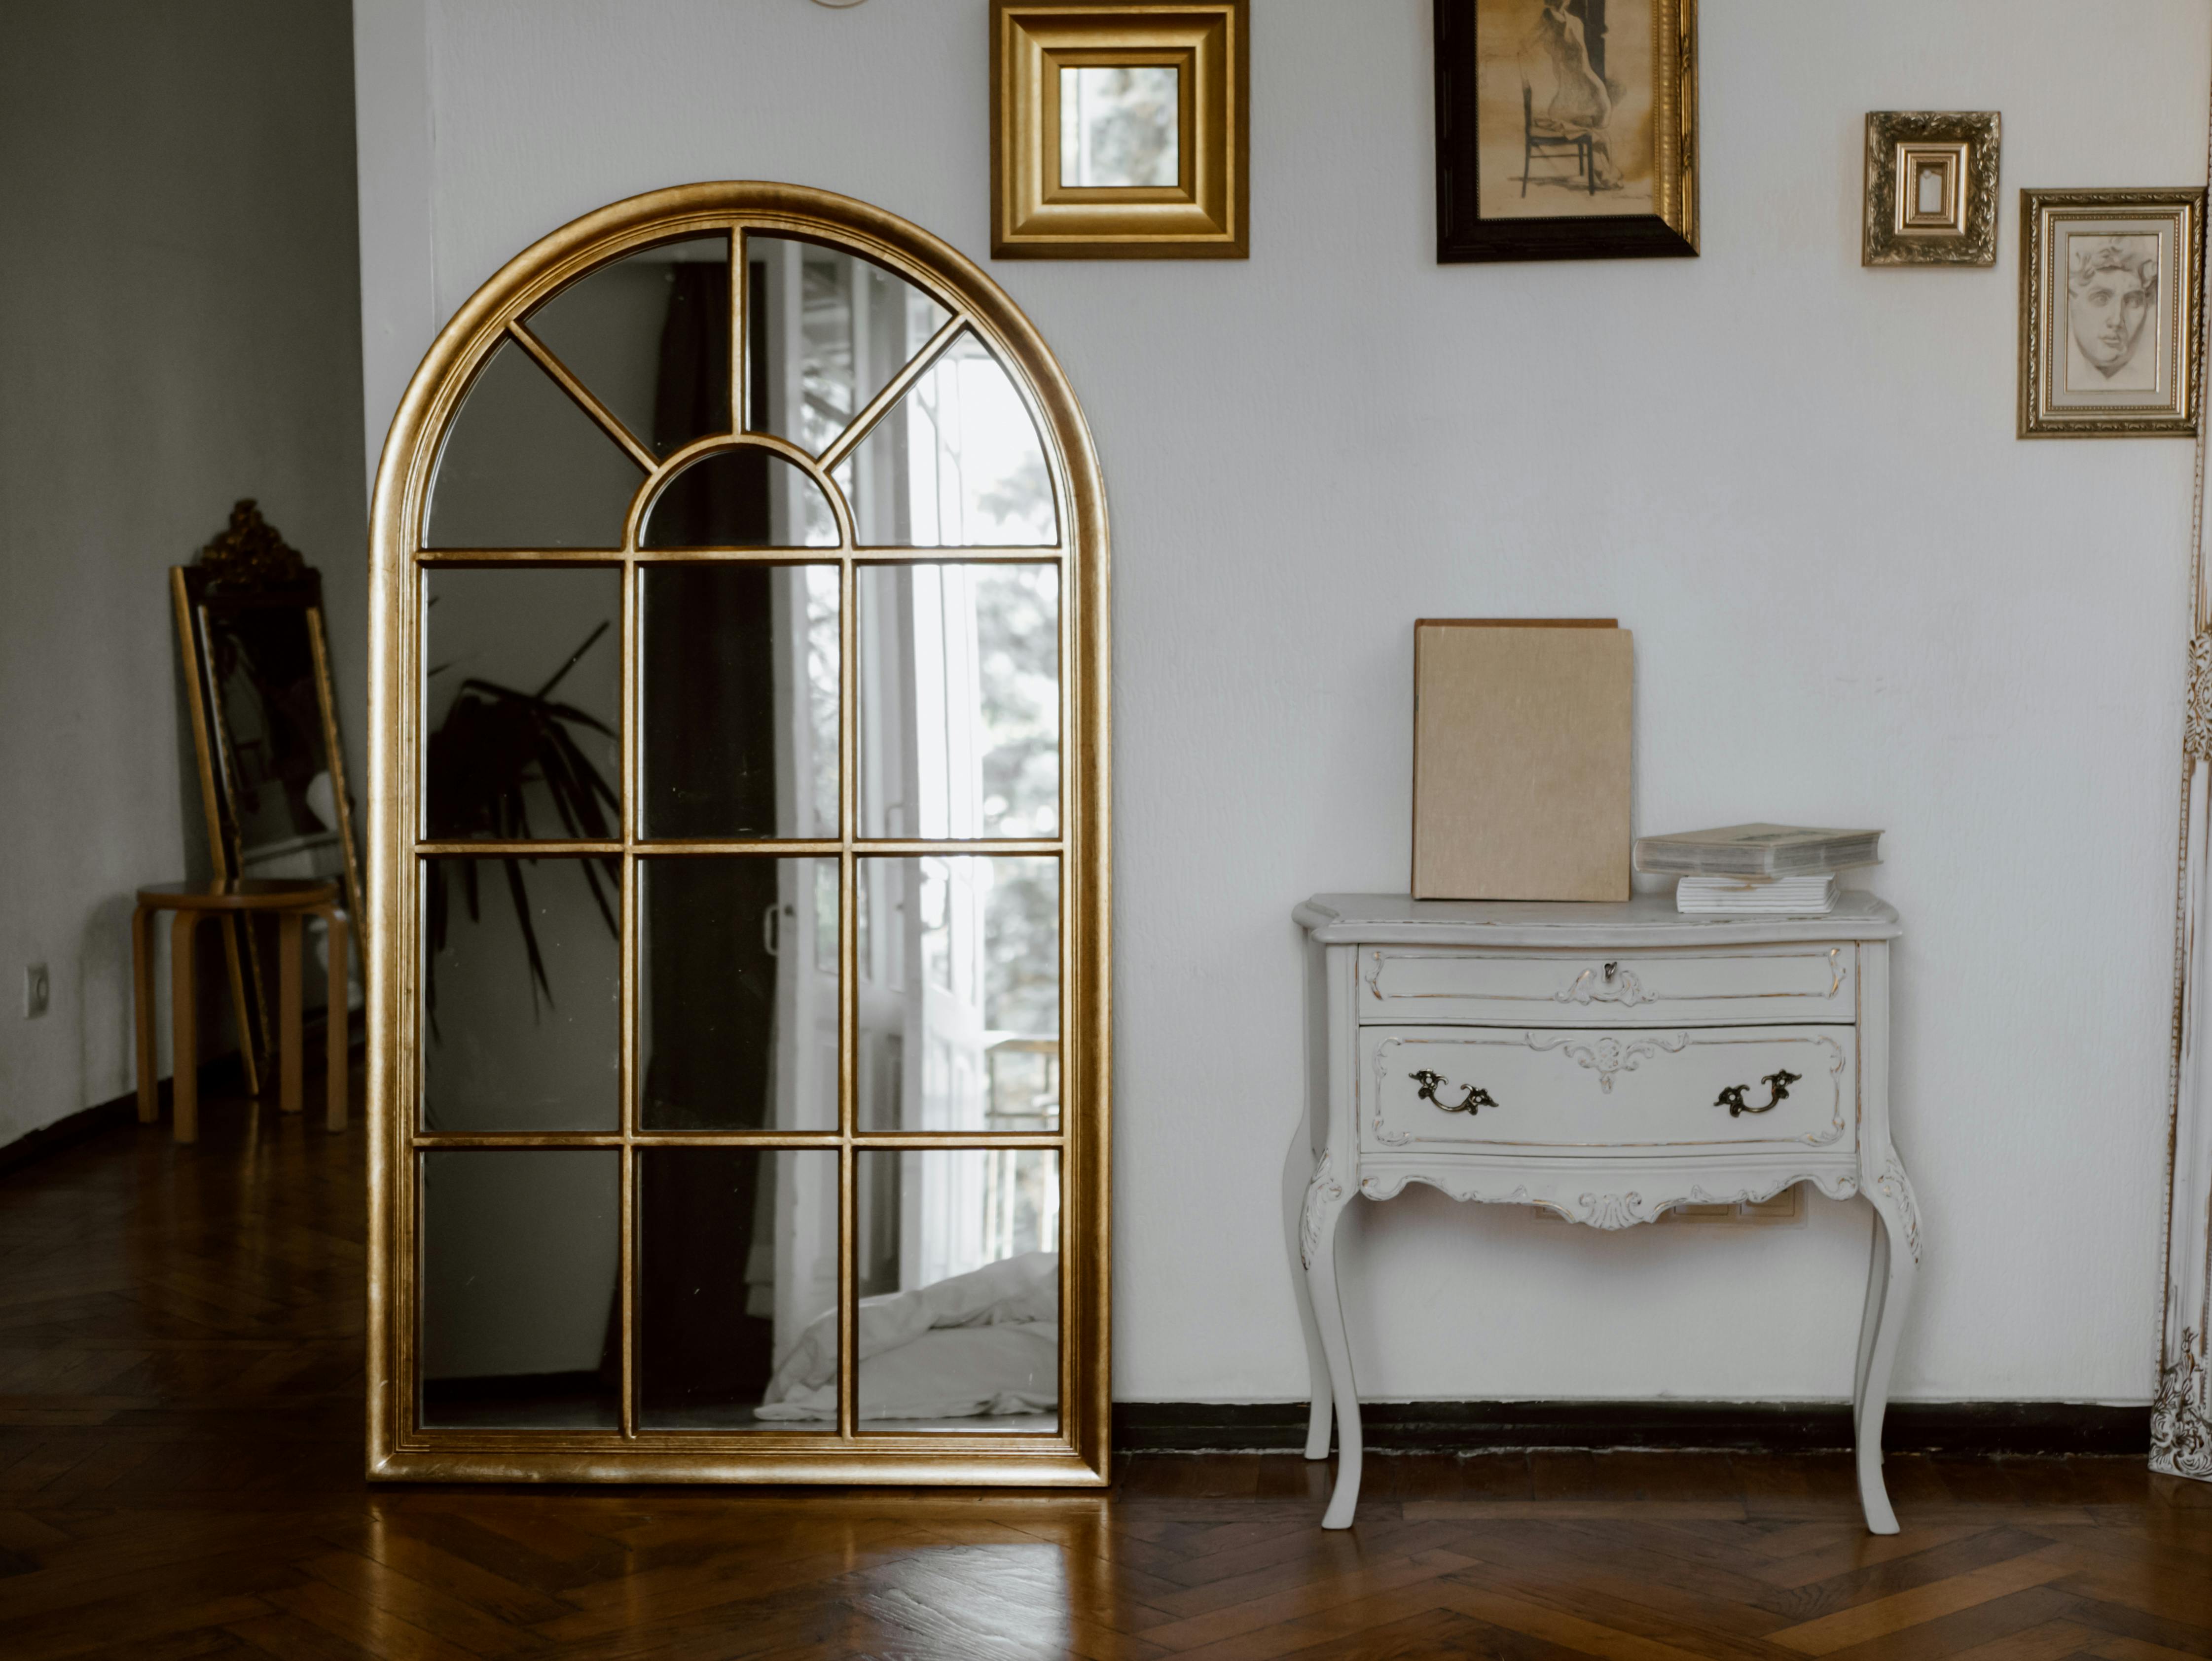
(1202, 215)
(2176, 218)
(1959, 148)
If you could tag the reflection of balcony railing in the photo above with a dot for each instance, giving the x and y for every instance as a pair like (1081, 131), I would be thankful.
(1023, 1081)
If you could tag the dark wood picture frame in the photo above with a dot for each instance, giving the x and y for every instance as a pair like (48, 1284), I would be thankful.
(1463, 236)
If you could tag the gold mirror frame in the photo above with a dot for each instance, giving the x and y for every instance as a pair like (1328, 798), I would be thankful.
(397, 1446)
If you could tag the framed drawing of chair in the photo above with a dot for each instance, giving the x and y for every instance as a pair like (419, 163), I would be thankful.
(1546, 137)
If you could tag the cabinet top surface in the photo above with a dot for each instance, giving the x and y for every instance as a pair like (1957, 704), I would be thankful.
(1645, 920)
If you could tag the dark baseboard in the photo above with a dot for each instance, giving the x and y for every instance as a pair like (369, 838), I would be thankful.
(1964, 1428)
(67, 1132)
(223, 1076)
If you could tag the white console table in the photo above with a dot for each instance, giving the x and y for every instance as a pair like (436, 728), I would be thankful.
(1606, 1063)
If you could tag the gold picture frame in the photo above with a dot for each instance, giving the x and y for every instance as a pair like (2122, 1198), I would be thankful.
(401, 1445)
(1910, 223)
(2111, 313)
(1120, 131)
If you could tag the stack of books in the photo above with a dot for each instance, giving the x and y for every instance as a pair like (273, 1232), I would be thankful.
(1773, 870)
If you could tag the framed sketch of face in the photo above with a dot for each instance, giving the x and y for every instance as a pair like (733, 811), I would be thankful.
(1565, 128)
(2110, 310)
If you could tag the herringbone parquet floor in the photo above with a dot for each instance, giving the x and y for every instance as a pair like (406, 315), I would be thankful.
(179, 1476)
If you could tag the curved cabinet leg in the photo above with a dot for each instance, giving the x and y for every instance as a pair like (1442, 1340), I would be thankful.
(1326, 1199)
(1323, 1410)
(1870, 1316)
(1319, 1398)
(1900, 1244)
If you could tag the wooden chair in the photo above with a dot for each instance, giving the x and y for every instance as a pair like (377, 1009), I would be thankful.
(1544, 137)
(293, 901)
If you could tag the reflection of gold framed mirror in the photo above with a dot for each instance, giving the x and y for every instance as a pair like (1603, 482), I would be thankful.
(264, 714)
(738, 1067)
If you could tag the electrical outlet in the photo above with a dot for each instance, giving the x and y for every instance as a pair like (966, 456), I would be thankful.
(36, 991)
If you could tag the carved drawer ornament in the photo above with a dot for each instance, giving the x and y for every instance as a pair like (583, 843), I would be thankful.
(1607, 1054)
(1619, 986)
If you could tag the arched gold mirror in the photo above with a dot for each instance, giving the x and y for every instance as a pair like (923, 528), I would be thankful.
(739, 1004)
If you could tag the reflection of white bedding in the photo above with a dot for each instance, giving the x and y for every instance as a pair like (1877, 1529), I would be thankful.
(984, 1342)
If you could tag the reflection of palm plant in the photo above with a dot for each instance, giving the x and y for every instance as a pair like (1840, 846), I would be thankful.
(494, 744)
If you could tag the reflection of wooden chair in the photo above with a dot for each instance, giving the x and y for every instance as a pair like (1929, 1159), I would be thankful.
(1545, 136)
(292, 903)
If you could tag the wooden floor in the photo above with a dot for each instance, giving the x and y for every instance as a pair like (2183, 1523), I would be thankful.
(179, 1476)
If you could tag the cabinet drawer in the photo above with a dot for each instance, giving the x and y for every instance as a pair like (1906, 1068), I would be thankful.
(1584, 1090)
(1754, 984)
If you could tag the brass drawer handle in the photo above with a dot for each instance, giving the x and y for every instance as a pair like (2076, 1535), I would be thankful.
(1777, 1085)
(1476, 1095)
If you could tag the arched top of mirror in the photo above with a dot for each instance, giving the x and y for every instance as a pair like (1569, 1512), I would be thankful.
(588, 386)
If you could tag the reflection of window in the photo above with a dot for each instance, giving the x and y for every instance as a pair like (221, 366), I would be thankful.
(955, 464)
(822, 678)
(961, 717)
(1118, 125)
(975, 475)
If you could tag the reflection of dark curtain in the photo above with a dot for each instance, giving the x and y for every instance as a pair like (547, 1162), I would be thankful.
(709, 703)
(1592, 13)
(697, 1349)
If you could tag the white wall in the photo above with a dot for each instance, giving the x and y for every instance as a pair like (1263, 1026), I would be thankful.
(1857, 600)
(179, 328)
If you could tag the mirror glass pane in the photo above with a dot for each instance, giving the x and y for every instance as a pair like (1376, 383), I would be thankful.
(649, 337)
(737, 1288)
(742, 498)
(738, 991)
(958, 1267)
(520, 982)
(522, 701)
(831, 330)
(955, 463)
(520, 1258)
(523, 467)
(1118, 125)
(959, 689)
(740, 700)
(959, 994)
(264, 704)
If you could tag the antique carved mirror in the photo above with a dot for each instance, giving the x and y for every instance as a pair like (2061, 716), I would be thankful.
(738, 990)
(272, 774)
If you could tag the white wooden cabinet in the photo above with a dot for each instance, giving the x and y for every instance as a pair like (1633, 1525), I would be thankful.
(1606, 1062)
